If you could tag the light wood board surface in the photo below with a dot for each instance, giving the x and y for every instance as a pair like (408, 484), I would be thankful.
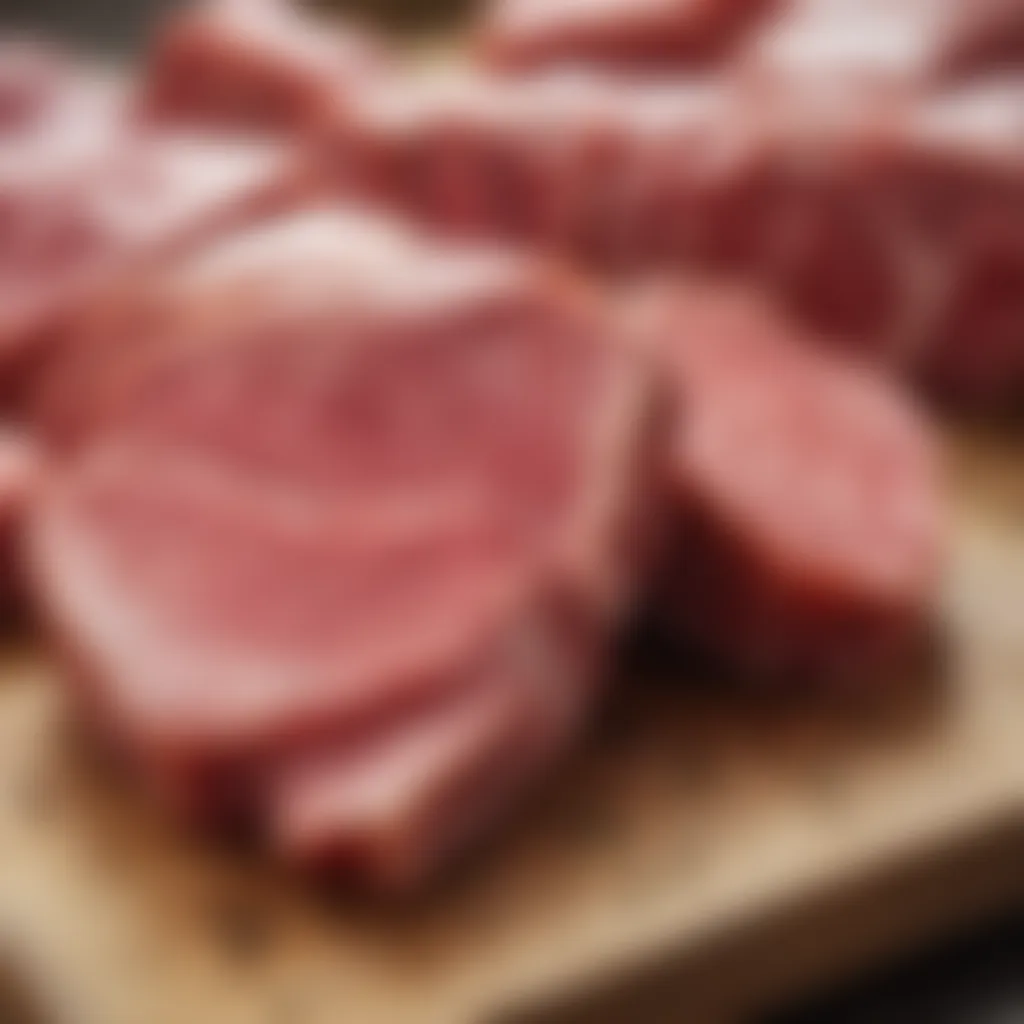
(708, 851)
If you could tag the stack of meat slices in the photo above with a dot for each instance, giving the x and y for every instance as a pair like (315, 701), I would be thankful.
(339, 523)
(863, 218)
(582, 165)
(340, 529)
(804, 496)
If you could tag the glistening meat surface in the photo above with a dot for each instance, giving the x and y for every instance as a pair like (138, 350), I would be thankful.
(891, 226)
(69, 237)
(347, 472)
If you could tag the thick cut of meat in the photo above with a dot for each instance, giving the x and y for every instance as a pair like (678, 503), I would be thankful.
(402, 797)
(253, 65)
(569, 162)
(529, 34)
(628, 177)
(904, 235)
(898, 232)
(807, 529)
(960, 177)
(341, 474)
(828, 199)
(153, 194)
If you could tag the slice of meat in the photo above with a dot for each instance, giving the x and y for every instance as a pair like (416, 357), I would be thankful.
(896, 232)
(630, 177)
(570, 162)
(888, 227)
(347, 472)
(152, 196)
(530, 34)
(253, 65)
(806, 496)
(441, 773)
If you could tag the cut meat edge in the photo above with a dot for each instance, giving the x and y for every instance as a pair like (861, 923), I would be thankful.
(398, 802)
(157, 693)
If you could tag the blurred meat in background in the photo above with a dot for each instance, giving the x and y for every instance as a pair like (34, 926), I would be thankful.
(368, 402)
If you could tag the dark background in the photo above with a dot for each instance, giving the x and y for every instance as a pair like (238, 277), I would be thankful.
(976, 978)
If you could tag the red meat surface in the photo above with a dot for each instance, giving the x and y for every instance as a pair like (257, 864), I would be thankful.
(807, 505)
(341, 474)
(253, 65)
(529, 34)
(840, 205)
(961, 177)
(568, 162)
(834, 46)
(878, 44)
(68, 237)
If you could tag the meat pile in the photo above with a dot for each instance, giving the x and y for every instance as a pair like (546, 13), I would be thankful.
(895, 228)
(349, 549)
(357, 411)
(875, 40)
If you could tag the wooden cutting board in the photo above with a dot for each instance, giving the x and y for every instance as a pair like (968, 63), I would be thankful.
(709, 852)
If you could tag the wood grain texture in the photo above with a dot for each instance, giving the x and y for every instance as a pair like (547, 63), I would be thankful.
(708, 851)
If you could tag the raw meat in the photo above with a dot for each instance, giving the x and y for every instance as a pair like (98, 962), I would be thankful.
(253, 65)
(829, 199)
(885, 45)
(67, 237)
(807, 512)
(568, 162)
(960, 176)
(396, 801)
(340, 474)
(524, 34)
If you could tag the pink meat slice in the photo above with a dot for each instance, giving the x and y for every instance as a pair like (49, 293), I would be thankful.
(153, 195)
(300, 513)
(530, 34)
(253, 65)
(885, 221)
(568, 161)
(59, 124)
(398, 800)
(807, 495)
